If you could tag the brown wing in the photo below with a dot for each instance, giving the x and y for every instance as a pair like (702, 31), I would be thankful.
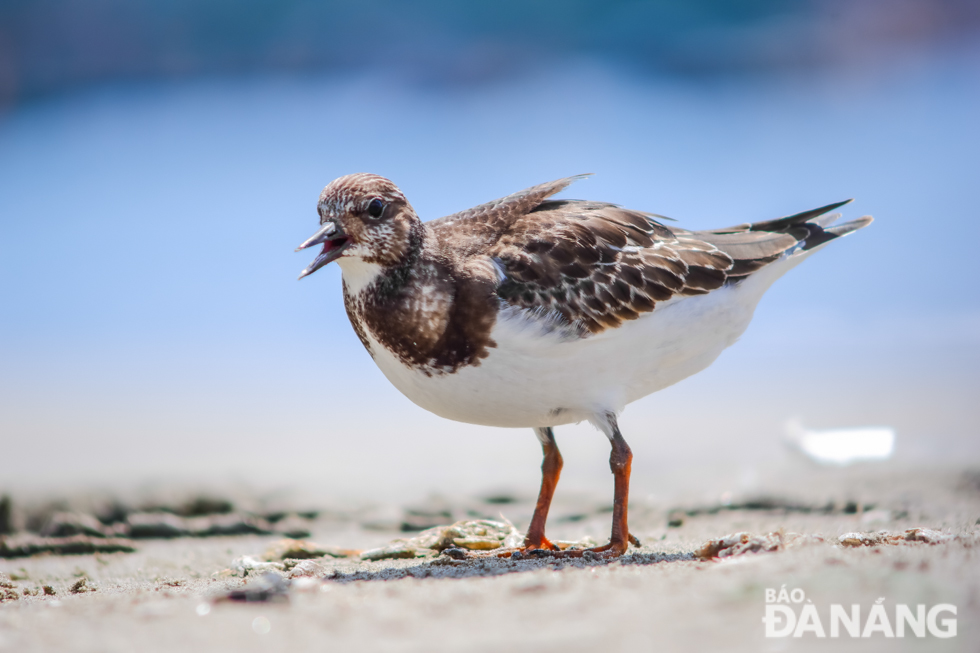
(596, 265)
(593, 265)
(474, 230)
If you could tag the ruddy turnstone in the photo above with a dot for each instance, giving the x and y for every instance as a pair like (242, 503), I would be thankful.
(536, 312)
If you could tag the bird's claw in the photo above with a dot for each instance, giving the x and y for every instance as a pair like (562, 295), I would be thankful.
(546, 550)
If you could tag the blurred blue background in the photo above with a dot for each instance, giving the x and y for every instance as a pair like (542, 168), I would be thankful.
(159, 161)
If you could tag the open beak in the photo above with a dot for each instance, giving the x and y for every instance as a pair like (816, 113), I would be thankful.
(334, 242)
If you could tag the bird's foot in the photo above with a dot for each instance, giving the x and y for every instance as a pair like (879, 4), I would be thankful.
(547, 549)
(544, 547)
(604, 552)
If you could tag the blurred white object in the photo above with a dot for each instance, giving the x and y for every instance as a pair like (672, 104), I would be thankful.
(841, 446)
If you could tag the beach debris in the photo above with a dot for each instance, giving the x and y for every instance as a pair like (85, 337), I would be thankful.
(925, 535)
(862, 539)
(741, 543)
(201, 516)
(156, 525)
(307, 569)
(263, 589)
(67, 524)
(289, 548)
(455, 553)
(738, 544)
(245, 565)
(163, 525)
(841, 446)
(8, 589)
(228, 524)
(767, 504)
(81, 586)
(395, 551)
(473, 535)
(204, 504)
(25, 545)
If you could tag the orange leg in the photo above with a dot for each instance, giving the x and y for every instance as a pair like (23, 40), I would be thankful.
(620, 462)
(550, 472)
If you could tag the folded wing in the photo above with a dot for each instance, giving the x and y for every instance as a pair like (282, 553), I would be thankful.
(593, 266)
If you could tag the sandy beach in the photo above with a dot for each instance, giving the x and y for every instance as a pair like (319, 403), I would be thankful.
(852, 537)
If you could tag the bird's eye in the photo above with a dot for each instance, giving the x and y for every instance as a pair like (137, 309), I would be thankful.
(375, 208)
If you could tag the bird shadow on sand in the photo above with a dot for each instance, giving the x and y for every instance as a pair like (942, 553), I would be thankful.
(272, 586)
(446, 567)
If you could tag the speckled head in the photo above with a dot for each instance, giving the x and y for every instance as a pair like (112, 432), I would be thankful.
(363, 216)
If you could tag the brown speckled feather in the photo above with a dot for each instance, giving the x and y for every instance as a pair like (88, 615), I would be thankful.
(593, 265)
(473, 231)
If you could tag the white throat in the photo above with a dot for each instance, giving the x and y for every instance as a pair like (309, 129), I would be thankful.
(358, 274)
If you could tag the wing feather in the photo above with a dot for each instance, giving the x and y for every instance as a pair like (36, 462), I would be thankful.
(592, 266)
(598, 265)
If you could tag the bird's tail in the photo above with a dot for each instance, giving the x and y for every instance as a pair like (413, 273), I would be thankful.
(753, 245)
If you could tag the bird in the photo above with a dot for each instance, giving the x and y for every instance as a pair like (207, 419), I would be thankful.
(530, 311)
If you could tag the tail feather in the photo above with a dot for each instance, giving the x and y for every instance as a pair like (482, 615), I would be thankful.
(825, 220)
(847, 227)
(757, 244)
(782, 224)
(825, 235)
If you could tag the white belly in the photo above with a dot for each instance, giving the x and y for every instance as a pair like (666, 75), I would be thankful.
(536, 378)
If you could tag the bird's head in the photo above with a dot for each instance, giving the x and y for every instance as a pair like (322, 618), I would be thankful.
(362, 216)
